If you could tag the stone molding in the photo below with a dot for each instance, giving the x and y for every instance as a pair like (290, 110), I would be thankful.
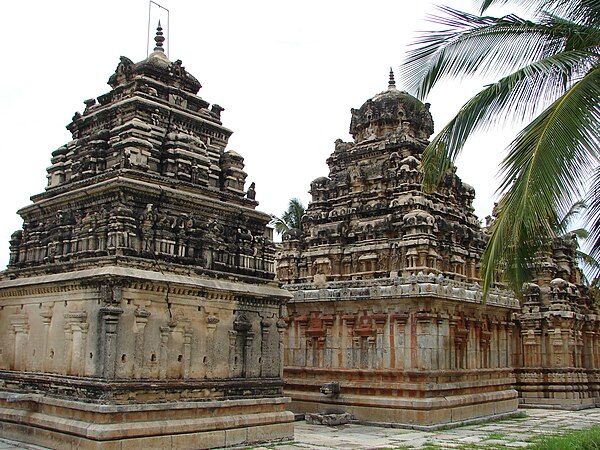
(142, 279)
(414, 286)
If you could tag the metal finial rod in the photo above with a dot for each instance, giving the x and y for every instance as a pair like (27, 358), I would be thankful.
(392, 83)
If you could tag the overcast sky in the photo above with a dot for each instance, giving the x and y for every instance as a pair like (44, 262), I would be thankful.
(287, 74)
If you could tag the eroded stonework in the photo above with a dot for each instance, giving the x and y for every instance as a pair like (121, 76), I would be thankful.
(558, 359)
(385, 284)
(387, 305)
(139, 303)
(370, 218)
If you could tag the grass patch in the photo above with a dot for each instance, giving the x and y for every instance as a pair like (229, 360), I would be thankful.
(495, 436)
(588, 439)
(478, 446)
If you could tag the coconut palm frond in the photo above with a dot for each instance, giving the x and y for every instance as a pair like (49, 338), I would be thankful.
(582, 11)
(590, 266)
(544, 170)
(564, 223)
(293, 215)
(579, 233)
(472, 45)
(592, 217)
(553, 80)
(279, 224)
(518, 95)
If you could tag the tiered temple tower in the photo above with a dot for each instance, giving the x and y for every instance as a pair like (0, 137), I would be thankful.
(385, 283)
(139, 303)
(558, 359)
(370, 218)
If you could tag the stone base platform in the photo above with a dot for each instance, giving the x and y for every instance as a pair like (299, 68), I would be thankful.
(71, 424)
(419, 416)
(426, 405)
(560, 388)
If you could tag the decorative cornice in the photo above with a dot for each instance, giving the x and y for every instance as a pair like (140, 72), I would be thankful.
(142, 279)
(402, 287)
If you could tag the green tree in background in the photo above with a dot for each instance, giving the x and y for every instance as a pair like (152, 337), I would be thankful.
(549, 70)
(291, 218)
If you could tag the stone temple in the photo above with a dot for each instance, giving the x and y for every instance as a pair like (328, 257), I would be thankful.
(387, 322)
(139, 307)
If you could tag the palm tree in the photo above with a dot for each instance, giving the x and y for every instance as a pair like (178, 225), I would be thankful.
(291, 218)
(563, 230)
(549, 69)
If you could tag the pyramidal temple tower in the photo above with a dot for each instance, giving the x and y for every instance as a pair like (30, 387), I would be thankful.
(387, 321)
(139, 307)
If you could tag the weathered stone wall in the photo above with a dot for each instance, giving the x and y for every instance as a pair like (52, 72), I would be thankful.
(410, 351)
(173, 354)
(124, 323)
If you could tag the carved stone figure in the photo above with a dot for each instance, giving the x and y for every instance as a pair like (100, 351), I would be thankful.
(251, 193)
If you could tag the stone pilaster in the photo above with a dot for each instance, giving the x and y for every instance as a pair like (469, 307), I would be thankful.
(165, 335)
(246, 370)
(265, 364)
(20, 334)
(76, 329)
(46, 316)
(141, 320)
(110, 323)
(211, 325)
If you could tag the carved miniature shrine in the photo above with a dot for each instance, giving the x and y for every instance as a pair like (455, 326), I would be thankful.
(139, 307)
(558, 356)
(387, 305)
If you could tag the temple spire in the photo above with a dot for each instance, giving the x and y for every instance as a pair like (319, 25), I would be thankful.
(159, 39)
(392, 83)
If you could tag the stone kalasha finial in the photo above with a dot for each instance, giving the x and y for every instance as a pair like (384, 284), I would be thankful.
(159, 39)
(392, 83)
